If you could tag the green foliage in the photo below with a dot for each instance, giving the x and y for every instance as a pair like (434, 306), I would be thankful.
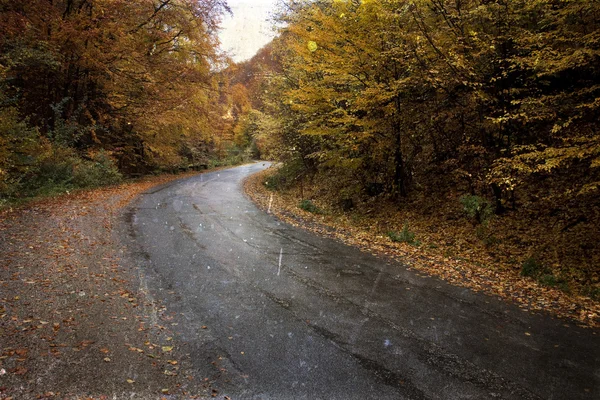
(593, 292)
(65, 133)
(57, 169)
(273, 182)
(62, 169)
(52, 173)
(532, 268)
(234, 156)
(285, 175)
(19, 148)
(99, 171)
(477, 208)
(551, 280)
(404, 236)
(308, 205)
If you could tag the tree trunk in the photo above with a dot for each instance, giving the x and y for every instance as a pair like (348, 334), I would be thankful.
(400, 176)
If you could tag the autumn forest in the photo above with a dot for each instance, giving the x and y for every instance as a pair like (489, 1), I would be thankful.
(444, 124)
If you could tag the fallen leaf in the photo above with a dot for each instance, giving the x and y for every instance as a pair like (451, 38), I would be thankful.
(167, 349)
(136, 349)
(21, 352)
(130, 381)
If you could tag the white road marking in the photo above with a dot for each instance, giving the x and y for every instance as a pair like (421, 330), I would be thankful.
(280, 256)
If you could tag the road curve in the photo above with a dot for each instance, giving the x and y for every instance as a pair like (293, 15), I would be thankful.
(269, 311)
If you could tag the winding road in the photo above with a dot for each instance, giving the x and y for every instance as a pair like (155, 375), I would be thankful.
(269, 311)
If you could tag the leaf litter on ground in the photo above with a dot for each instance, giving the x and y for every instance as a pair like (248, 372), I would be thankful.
(69, 299)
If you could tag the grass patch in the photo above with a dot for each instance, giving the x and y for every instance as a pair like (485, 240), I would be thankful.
(404, 236)
(532, 268)
(593, 292)
(551, 280)
(309, 206)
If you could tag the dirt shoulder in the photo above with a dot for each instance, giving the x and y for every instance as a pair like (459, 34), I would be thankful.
(75, 319)
(370, 234)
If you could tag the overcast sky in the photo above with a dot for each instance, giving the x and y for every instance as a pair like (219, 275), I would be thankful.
(248, 29)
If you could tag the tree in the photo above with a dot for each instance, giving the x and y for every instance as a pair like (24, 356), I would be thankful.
(490, 93)
(134, 78)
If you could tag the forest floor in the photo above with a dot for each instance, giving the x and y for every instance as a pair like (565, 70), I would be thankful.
(443, 246)
(75, 318)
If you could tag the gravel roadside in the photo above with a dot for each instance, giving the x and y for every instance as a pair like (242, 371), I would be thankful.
(75, 318)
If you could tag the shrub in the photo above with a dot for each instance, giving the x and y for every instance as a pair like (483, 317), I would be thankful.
(309, 206)
(532, 268)
(235, 156)
(273, 182)
(58, 169)
(553, 281)
(101, 170)
(18, 149)
(593, 292)
(286, 175)
(404, 236)
(51, 174)
(477, 208)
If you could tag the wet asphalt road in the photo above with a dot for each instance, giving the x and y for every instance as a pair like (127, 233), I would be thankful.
(293, 315)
